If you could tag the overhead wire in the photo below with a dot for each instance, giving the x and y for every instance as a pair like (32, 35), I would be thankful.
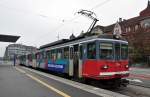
(62, 24)
(94, 7)
(100, 4)
(74, 18)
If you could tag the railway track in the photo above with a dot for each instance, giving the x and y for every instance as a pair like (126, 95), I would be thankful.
(138, 84)
(132, 90)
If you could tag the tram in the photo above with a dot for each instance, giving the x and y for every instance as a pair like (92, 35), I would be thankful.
(96, 57)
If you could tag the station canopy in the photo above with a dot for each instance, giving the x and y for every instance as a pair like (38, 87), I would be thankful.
(8, 38)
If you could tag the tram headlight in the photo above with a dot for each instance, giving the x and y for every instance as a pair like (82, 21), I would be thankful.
(127, 66)
(105, 67)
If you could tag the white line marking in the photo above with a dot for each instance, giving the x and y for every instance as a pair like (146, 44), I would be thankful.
(95, 88)
(135, 80)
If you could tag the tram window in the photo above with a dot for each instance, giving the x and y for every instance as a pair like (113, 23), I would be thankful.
(44, 54)
(71, 52)
(91, 50)
(106, 50)
(124, 51)
(59, 53)
(81, 52)
(117, 51)
(37, 55)
(66, 53)
(48, 54)
(40, 55)
(33, 56)
(54, 57)
(25, 57)
(30, 57)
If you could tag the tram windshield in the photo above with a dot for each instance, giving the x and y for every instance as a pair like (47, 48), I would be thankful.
(124, 51)
(121, 51)
(106, 51)
(118, 51)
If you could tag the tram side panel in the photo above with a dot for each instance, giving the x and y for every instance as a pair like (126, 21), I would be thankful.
(40, 60)
(90, 68)
(58, 65)
(57, 60)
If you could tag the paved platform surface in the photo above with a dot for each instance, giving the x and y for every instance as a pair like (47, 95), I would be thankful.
(23, 82)
(16, 84)
(140, 76)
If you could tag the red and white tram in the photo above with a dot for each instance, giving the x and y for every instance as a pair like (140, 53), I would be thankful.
(100, 58)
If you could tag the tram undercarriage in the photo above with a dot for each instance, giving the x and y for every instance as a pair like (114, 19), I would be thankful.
(113, 83)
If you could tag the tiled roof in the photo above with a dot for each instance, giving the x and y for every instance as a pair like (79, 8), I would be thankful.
(146, 11)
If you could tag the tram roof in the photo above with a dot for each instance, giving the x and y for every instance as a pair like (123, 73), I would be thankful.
(59, 42)
(78, 38)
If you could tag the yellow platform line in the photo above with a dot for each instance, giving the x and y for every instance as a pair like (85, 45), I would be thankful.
(20, 70)
(45, 84)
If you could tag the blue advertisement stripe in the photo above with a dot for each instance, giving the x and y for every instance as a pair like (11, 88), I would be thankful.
(58, 65)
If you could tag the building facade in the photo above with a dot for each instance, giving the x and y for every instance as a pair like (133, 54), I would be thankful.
(17, 50)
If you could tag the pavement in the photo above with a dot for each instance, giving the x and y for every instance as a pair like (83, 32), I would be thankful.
(24, 82)
(16, 84)
(140, 76)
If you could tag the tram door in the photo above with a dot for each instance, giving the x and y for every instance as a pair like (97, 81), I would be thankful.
(76, 60)
(80, 60)
(71, 61)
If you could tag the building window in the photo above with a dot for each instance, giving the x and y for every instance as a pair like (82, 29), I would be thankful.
(129, 29)
(126, 29)
(136, 27)
(147, 25)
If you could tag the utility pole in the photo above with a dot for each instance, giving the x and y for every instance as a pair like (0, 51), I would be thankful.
(58, 36)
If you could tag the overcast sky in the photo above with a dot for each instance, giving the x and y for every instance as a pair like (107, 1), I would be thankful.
(41, 21)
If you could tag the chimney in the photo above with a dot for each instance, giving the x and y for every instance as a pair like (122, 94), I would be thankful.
(120, 19)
